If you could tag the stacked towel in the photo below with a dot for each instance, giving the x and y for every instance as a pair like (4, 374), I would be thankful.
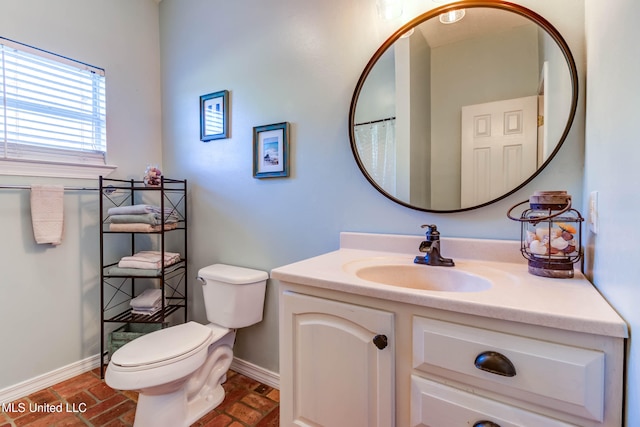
(140, 227)
(117, 271)
(147, 303)
(145, 263)
(141, 218)
(47, 213)
(170, 214)
(149, 218)
(149, 260)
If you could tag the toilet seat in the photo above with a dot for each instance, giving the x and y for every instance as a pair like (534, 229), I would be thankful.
(164, 358)
(165, 346)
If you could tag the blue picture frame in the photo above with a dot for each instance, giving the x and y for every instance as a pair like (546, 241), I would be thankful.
(214, 116)
(271, 150)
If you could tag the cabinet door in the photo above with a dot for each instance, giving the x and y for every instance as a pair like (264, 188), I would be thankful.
(332, 371)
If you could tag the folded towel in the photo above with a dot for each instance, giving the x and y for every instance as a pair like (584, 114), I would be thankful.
(148, 260)
(156, 305)
(47, 206)
(146, 311)
(148, 299)
(132, 262)
(140, 227)
(157, 256)
(146, 272)
(149, 218)
(139, 209)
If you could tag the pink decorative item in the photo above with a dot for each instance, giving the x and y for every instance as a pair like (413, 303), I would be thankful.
(152, 176)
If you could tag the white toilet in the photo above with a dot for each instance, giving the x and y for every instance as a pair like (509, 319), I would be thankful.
(178, 371)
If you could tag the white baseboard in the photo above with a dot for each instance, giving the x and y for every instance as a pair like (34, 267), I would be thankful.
(48, 379)
(256, 372)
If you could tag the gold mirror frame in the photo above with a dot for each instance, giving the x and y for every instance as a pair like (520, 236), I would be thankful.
(434, 13)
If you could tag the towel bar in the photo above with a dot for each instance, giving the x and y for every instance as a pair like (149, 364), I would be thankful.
(28, 187)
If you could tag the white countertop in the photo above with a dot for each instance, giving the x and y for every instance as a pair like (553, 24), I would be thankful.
(571, 304)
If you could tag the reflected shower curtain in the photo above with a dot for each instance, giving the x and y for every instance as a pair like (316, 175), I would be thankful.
(376, 144)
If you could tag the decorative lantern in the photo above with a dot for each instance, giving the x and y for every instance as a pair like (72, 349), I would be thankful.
(551, 234)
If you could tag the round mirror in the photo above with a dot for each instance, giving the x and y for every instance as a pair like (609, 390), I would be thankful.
(463, 105)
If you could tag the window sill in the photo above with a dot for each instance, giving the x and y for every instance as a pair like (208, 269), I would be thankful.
(54, 169)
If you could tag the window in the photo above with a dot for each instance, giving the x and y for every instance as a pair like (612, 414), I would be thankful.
(52, 111)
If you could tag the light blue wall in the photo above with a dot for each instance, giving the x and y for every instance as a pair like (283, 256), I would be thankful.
(299, 62)
(49, 296)
(611, 169)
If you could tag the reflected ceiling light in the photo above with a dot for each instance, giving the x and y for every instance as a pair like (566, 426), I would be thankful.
(407, 34)
(389, 9)
(452, 16)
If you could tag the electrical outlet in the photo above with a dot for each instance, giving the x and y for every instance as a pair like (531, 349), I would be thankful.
(592, 217)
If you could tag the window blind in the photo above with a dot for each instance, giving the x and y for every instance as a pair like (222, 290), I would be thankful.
(52, 108)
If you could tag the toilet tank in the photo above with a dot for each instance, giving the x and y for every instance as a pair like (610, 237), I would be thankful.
(233, 296)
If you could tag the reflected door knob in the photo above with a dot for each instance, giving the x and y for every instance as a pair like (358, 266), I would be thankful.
(380, 341)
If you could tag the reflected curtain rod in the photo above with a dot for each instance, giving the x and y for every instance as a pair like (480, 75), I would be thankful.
(375, 121)
(28, 187)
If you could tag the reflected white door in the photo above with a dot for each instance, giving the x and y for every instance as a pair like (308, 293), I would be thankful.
(499, 147)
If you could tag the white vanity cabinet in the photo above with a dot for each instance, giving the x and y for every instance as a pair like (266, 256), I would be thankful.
(333, 375)
(339, 364)
(527, 351)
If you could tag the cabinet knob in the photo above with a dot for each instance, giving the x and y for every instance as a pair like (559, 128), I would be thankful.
(380, 341)
(495, 363)
(484, 423)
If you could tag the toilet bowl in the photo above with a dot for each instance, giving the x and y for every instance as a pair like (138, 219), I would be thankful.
(178, 371)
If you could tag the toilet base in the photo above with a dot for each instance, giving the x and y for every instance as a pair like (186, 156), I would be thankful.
(163, 410)
(173, 410)
(199, 394)
(198, 408)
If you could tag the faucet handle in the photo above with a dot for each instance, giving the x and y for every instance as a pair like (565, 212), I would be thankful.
(432, 231)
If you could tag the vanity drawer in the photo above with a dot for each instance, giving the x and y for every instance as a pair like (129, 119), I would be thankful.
(561, 377)
(437, 405)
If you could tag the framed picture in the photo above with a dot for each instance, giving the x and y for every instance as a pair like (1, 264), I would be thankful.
(214, 116)
(271, 151)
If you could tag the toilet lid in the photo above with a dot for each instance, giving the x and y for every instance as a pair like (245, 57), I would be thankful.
(232, 275)
(163, 345)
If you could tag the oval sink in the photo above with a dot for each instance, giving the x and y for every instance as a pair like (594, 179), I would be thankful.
(424, 277)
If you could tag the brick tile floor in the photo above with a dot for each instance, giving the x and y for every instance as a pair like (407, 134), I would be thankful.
(86, 400)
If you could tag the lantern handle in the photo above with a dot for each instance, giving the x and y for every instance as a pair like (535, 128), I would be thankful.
(536, 220)
(513, 207)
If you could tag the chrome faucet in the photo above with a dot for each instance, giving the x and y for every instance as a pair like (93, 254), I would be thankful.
(431, 248)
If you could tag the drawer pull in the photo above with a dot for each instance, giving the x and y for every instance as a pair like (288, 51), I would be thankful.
(380, 341)
(485, 424)
(495, 363)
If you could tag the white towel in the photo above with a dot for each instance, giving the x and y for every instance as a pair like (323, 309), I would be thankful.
(147, 311)
(154, 256)
(149, 259)
(148, 299)
(47, 206)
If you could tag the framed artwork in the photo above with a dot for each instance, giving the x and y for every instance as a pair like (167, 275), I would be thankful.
(214, 116)
(271, 150)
